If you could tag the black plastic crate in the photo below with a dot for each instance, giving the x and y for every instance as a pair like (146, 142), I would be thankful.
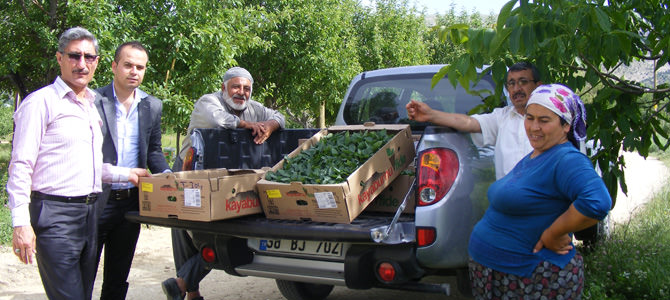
(235, 148)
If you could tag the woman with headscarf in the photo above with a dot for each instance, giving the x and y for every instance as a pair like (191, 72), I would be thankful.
(522, 248)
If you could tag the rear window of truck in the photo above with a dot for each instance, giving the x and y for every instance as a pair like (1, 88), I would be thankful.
(382, 100)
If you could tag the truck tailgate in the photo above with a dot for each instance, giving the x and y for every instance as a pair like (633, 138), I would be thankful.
(359, 231)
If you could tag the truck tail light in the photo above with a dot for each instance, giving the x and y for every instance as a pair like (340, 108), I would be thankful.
(187, 165)
(208, 254)
(386, 271)
(425, 236)
(437, 171)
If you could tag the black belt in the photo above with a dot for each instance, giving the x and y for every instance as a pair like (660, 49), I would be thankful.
(88, 199)
(123, 194)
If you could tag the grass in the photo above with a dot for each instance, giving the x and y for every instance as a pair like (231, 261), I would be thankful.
(169, 139)
(5, 216)
(5, 224)
(169, 143)
(634, 263)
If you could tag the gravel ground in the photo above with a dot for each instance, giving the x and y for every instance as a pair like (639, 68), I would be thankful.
(153, 258)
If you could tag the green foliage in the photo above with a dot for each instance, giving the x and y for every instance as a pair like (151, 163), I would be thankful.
(6, 121)
(32, 64)
(302, 53)
(634, 262)
(5, 216)
(446, 52)
(176, 114)
(6, 229)
(390, 35)
(190, 44)
(309, 58)
(332, 159)
(580, 44)
(176, 107)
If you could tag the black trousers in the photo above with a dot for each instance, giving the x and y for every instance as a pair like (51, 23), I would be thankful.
(118, 237)
(187, 260)
(66, 246)
(190, 266)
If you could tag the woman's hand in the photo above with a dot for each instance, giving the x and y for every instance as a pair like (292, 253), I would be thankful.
(556, 238)
(561, 244)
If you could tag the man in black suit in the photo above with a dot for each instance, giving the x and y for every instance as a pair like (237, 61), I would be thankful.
(132, 138)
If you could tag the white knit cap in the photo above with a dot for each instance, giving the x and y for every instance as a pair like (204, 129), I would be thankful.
(237, 72)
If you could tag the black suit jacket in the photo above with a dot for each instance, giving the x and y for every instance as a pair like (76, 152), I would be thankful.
(149, 116)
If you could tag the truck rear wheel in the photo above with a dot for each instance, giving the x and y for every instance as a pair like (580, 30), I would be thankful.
(293, 290)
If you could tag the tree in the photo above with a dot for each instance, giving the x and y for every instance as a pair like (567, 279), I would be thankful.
(581, 44)
(29, 32)
(302, 53)
(190, 44)
(315, 48)
(445, 52)
(309, 60)
(390, 34)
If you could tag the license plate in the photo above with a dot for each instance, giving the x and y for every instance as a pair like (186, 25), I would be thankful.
(302, 247)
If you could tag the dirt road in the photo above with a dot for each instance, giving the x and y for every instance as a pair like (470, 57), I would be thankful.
(153, 264)
(153, 258)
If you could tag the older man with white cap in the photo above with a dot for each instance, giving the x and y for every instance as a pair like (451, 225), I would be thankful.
(231, 107)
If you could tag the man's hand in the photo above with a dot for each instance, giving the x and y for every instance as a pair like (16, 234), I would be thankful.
(260, 130)
(419, 111)
(23, 240)
(257, 129)
(269, 127)
(135, 174)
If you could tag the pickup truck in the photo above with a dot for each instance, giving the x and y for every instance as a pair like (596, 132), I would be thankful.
(394, 250)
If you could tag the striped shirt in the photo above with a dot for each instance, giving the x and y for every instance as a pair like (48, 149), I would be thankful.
(57, 148)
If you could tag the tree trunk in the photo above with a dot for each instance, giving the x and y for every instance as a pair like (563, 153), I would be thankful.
(322, 115)
(177, 149)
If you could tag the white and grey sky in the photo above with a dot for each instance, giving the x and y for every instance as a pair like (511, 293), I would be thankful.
(441, 6)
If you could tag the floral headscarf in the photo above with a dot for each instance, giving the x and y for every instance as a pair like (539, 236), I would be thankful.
(565, 103)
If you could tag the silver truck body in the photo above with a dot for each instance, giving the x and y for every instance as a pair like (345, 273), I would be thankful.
(453, 216)
(308, 258)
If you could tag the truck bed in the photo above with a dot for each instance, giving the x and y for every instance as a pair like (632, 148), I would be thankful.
(235, 149)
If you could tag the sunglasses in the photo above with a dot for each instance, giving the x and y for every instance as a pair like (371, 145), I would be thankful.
(76, 57)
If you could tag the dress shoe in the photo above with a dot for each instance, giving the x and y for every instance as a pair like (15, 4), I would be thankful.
(171, 290)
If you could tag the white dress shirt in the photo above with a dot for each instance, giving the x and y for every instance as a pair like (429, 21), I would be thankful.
(127, 135)
(504, 129)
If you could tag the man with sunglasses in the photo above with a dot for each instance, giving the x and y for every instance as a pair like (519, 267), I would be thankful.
(131, 128)
(503, 127)
(56, 171)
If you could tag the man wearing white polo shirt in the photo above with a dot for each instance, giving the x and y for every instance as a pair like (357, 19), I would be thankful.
(502, 128)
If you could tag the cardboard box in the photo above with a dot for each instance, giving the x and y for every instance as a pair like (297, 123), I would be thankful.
(202, 195)
(390, 198)
(343, 202)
